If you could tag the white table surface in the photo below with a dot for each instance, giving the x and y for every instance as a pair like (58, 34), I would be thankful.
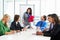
(24, 35)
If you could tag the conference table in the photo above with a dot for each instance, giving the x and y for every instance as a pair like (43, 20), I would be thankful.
(24, 35)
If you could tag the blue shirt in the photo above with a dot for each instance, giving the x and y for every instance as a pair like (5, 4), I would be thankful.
(42, 25)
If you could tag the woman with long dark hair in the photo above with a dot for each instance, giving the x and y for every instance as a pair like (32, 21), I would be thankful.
(26, 16)
(55, 33)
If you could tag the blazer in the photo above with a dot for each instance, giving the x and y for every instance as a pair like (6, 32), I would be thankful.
(15, 26)
(54, 33)
(25, 19)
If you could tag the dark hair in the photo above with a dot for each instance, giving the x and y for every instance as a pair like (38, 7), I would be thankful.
(16, 17)
(55, 17)
(49, 15)
(30, 11)
(44, 17)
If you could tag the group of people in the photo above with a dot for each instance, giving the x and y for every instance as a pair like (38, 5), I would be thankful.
(15, 25)
(53, 30)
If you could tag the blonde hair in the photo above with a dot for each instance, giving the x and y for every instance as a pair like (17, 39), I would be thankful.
(5, 16)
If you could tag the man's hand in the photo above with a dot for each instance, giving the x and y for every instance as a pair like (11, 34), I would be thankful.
(39, 33)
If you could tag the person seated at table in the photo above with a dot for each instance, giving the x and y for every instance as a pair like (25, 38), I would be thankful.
(41, 25)
(15, 25)
(55, 32)
(4, 30)
(51, 24)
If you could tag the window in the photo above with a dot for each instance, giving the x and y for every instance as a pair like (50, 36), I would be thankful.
(1, 9)
(9, 9)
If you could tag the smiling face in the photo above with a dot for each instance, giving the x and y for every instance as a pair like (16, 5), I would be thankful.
(18, 19)
(42, 18)
(28, 11)
(6, 18)
(50, 19)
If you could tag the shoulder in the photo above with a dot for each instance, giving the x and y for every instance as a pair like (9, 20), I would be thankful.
(38, 21)
(25, 13)
(57, 26)
(1, 22)
(13, 22)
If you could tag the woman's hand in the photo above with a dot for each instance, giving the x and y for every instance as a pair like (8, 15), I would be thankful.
(17, 30)
(8, 33)
(24, 29)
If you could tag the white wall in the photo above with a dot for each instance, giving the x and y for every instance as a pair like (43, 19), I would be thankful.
(9, 8)
(47, 7)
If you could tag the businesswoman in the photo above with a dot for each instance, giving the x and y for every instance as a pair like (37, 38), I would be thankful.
(55, 32)
(26, 17)
(15, 25)
(4, 30)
